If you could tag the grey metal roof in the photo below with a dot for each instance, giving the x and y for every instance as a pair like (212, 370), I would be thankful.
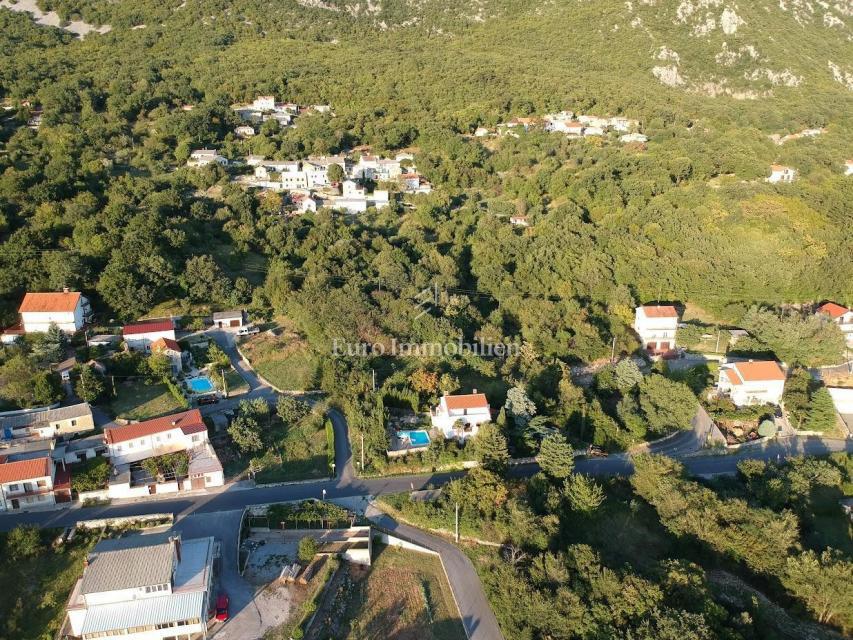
(127, 563)
(145, 611)
(226, 315)
(47, 416)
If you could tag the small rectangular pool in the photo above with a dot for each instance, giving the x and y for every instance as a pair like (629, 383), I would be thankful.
(200, 385)
(415, 438)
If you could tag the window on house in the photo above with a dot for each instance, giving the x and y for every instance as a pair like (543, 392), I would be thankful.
(13, 487)
(73, 423)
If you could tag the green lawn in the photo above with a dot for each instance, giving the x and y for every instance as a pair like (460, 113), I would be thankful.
(286, 361)
(234, 382)
(302, 449)
(136, 400)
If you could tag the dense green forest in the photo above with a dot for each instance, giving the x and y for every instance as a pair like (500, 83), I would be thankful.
(664, 556)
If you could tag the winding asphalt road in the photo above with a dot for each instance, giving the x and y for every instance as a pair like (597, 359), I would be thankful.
(477, 616)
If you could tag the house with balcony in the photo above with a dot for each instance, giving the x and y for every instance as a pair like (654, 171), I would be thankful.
(656, 325)
(172, 350)
(166, 434)
(30, 480)
(69, 310)
(460, 416)
(752, 382)
(154, 586)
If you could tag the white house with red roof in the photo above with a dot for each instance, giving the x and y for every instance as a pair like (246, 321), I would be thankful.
(656, 325)
(156, 437)
(31, 483)
(460, 416)
(842, 316)
(69, 310)
(141, 335)
(753, 382)
(172, 350)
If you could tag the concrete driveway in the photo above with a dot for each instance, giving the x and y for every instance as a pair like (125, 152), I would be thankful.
(253, 610)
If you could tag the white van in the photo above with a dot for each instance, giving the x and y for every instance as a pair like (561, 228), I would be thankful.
(248, 330)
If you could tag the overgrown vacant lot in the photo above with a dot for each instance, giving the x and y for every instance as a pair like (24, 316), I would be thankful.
(136, 400)
(38, 581)
(404, 596)
(285, 360)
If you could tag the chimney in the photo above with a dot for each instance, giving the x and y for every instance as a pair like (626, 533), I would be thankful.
(66, 290)
(176, 543)
(474, 391)
(174, 422)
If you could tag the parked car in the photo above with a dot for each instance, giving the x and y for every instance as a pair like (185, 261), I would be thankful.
(207, 400)
(248, 330)
(222, 607)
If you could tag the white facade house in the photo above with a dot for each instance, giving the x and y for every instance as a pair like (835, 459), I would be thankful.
(235, 318)
(31, 482)
(781, 173)
(139, 336)
(156, 437)
(69, 310)
(656, 325)
(460, 416)
(842, 316)
(205, 157)
(753, 382)
(244, 131)
(145, 587)
(519, 221)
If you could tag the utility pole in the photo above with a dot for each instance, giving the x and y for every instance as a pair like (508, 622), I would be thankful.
(717, 350)
(435, 285)
(457, 523)
(613, 350)
(362, 452)
(373, 374)
(113, 379)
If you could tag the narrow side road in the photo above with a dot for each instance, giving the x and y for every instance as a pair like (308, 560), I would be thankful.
(477, 616)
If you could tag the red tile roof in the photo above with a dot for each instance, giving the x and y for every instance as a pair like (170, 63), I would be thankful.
(733, 377)
(148, 326)
(24, 470)
(166, 343)
(188, 422)
(658, 311)
(833, 310)
(758, 371)
(467, 401)
(50, 301)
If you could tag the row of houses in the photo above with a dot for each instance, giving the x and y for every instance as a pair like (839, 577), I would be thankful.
(783, 173)
(264, 108)
(572, 125)
(37, 461)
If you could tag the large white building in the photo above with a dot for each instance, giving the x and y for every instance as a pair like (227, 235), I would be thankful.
(156, 437)
(144, 587)
(656, 325)
(69, 310)
(141, 335)
(753, 382)
(461, 416)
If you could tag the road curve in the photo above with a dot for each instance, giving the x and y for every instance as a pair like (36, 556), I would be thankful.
(477, 616)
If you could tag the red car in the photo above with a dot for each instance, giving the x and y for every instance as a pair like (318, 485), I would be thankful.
(222, 607)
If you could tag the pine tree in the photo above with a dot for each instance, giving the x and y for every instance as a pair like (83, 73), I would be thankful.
(491, 448)
(583, 493)
(556, 457)
(821, 412)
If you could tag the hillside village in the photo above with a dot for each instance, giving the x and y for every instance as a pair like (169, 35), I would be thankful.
(470, 320)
